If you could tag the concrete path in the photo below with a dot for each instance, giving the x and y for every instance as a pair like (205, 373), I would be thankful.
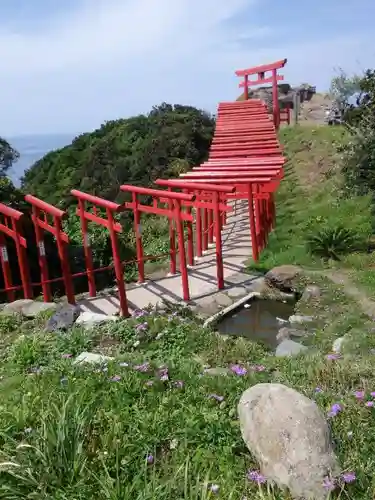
(202, 276)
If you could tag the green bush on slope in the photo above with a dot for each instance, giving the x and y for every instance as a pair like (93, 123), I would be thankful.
(134, 150)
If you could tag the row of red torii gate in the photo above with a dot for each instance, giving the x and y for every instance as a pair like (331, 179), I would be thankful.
(245, 163)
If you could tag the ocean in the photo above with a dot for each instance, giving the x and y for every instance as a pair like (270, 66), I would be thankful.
(32, 148)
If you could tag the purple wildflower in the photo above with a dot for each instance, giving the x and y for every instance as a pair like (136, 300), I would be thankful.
(257, 477)
(66, 356)
(140, 313)
(116, 378)
(179, 384)
(238, 370)
(150, 459)
(258, 368)
(369, 404)
(329, 484)
(333, 357)
(335, 410)
(318, 390)
(214, 488)
(141, 327)
(359, 394)
(163, 374)
(372, 394)
(217, 397)
(348, 477)
(144, 367)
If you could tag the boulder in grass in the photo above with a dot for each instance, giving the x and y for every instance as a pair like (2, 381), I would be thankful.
(92, 358)
(89, 319)
(289, 436)
(63, 318)
(283, 278)
(29, 308)
(288, 348)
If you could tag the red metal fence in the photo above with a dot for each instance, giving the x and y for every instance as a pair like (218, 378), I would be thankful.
(245, 162)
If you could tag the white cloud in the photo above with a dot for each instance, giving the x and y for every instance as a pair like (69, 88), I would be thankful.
(111, 58)
(103, 30)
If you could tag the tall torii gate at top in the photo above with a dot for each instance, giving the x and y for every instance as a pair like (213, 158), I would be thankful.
(261, 71)
(245, 162)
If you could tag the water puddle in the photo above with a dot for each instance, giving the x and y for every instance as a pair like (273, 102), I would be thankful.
(260, 322)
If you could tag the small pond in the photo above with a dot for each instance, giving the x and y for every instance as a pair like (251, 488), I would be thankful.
(259, 322)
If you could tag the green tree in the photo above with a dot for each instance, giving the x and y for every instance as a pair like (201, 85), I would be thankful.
(10, 195)
(135, 150)
(167, 141)
(343, 87)
(8, 156)
(360, 152)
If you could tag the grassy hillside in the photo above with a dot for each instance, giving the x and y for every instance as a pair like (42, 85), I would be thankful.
(151, 424)
(312, 199)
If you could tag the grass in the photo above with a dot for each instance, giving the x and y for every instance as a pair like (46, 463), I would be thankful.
(79, 432)
(125, 431)
(311, 197)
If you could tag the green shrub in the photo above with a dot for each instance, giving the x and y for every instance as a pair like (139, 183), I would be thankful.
(9, 323)
(331, 242)
(359, 152)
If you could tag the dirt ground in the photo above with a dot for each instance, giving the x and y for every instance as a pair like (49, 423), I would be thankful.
(314, 111)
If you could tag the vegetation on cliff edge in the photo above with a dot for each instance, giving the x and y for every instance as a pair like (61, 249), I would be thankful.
(135, 150)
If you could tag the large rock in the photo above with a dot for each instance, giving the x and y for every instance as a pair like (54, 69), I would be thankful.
(289, 437)
(283, 277)
(63, 318)
(261, 286)
(288, 348)
(32, 310)
(92, 358)
(90, 319)
(16, 306)
(29, 308)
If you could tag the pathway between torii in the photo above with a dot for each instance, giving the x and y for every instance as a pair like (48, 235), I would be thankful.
(202, 276)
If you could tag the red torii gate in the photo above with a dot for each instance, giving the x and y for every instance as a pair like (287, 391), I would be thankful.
(45, 217)
(173, 212)
(206, 227)
(260, 71)
(40, 213)
(245, 162)
(253, 189)
(10, 225)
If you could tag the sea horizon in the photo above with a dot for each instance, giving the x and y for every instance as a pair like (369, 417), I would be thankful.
(32, 147)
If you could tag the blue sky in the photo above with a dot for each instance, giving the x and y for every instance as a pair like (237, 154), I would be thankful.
(69, 65)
